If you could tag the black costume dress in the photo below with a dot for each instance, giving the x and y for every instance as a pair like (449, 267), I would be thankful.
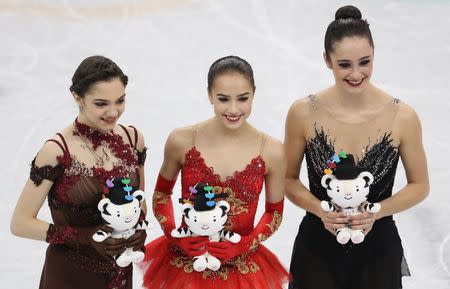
(318, 260)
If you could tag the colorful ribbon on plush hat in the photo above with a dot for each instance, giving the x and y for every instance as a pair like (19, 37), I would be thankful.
(333, 160)
(210, 195)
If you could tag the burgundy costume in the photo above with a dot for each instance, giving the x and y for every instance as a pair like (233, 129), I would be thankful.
(73, 202)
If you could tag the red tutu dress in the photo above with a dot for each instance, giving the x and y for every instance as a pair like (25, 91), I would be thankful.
(167, 266)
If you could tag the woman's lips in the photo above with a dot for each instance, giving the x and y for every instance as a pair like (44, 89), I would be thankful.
(233, 118)
(109, 120)
(355, 83)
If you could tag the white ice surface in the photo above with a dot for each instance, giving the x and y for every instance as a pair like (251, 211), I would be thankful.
(166, 47)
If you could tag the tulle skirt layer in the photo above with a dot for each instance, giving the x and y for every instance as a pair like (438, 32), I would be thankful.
(166, 266)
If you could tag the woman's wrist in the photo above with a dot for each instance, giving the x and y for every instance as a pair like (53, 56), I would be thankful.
(317, 209)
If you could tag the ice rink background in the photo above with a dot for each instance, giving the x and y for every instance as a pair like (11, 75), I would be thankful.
(166, 47)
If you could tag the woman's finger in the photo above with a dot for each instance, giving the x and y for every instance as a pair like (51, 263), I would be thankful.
(341, 220)
(113, 241)
(361, 216)
(334, 215)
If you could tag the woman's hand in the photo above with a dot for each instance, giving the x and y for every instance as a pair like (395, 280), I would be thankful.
(363, 221)
(137, 241)
(84, 237)
(192, 246)
(110, 247)
(333, 221)
(226, 250)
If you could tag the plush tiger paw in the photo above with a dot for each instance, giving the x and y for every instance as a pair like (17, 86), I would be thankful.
(213, 263)
(343, 236)
(200, 263)
(327, 206)
(357, 236)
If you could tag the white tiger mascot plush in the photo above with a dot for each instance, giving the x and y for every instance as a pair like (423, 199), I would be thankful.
(348, 190)
(121, 211)
(206, 217)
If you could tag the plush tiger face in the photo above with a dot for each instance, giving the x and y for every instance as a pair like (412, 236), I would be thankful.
(206, 223)
(348, 193)
(124, 216)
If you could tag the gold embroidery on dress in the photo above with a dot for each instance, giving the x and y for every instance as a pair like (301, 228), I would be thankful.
(236, 206)
(158, 199)
(273, 226)
(261, 238)
(180, 262)
(276, 221)
(241, 264)
(222, 272)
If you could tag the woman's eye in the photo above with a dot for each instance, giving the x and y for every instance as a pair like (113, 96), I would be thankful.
(100, 104)
(344, 65)
(243, 99)
(364, 62)
(223, 99)
(121, 100)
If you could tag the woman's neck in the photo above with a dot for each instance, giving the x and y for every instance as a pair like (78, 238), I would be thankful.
(356, 101)
(81, 119)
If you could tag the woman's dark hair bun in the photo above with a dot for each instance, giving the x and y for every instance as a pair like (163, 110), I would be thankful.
(347, 12)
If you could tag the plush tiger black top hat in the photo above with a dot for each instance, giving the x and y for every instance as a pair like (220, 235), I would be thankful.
(119, 191)
(346, 169)
(204, 198)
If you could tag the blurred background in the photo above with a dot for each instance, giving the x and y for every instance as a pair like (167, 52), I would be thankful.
(166, 48)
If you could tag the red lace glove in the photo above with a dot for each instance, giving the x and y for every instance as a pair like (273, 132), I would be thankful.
(163, 210)
(74, 237)
(267, 225)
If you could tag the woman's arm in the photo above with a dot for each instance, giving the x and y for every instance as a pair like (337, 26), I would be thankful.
(294, 146)
(137, 241)
(276, 170)
(273, 213)
(140, 146)
(162, 196)
(176, 145)
(24, 222)
(414, 162)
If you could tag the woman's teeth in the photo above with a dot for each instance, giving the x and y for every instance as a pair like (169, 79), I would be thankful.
(355, 83)
(233, 118)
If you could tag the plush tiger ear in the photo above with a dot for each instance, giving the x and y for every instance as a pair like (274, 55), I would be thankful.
(139, 195)
(186, 208)
(103, 205)
(225, 206)
(368, 177)
(325, 181)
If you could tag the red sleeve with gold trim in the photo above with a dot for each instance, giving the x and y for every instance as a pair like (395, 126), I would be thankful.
(267, 225)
